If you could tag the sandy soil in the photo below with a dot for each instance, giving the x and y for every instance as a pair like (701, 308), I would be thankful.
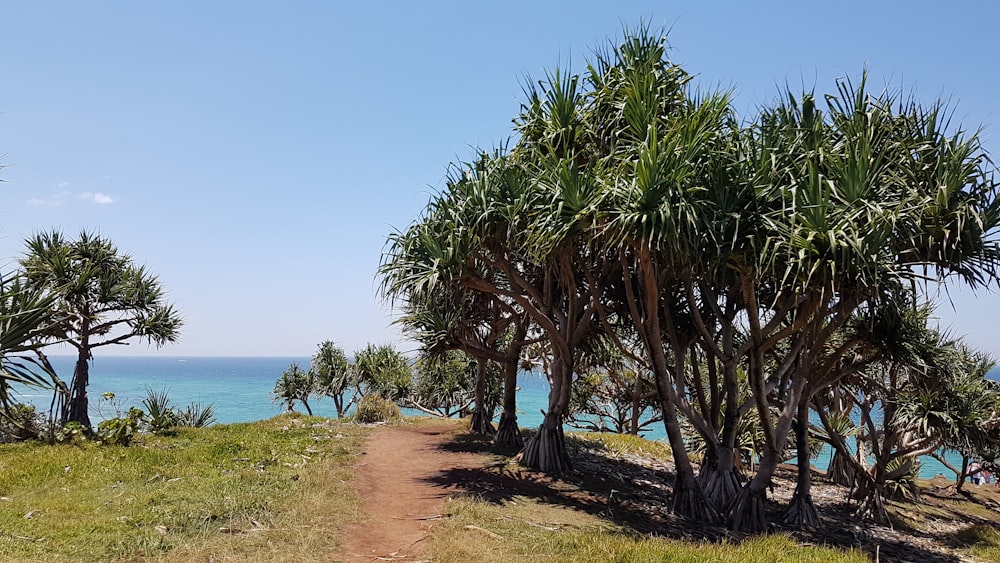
(399, 478)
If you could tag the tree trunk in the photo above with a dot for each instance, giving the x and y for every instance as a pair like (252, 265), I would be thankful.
(871, 502)
(960, 479)
(636, 396)
(840, 470)
(719, 478)
(508, 435)
(76, 406)
(546, 450)
(309, 410)
(748, 512)
(689, 497)
(482, 421)
(801, 511)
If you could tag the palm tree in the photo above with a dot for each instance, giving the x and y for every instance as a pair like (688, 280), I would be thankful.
(295, 384)
(383, 371)
(333, 376)
(25, 317)
(102, 298)
(852, 204)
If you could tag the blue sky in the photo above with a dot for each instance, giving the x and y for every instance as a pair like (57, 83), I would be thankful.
(255, 155)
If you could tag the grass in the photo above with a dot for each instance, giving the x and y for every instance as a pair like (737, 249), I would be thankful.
(281, 490)
(620, 444)
(239, 491)
(982, 542)
(525, 530)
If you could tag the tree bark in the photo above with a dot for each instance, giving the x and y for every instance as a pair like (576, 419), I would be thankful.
(508, 434)
(719, 478)
(871, 502)
(76, 406)
(960, 478)
(546, 450)
(840, 470)
(748, 513)
(482, 421)
(801, 511)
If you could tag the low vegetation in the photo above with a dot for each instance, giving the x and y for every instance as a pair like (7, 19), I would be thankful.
(272, 489)
(282, 489)
(526, 530)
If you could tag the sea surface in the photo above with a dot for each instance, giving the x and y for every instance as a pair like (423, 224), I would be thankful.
(239, 388)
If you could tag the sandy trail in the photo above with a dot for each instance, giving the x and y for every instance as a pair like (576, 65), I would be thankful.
(395, 478)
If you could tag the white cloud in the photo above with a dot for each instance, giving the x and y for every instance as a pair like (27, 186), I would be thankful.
(98, 198)
(54, 199)
(64, 197)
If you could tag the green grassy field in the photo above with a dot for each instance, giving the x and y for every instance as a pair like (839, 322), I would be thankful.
(282, 490)
(277, 488)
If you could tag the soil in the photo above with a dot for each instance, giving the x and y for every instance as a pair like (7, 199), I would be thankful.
(407, 472)
(399, 478)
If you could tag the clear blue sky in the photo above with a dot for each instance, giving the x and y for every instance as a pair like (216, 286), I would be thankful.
(256, 154)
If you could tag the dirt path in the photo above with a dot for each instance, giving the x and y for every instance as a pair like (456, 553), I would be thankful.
(397, 477)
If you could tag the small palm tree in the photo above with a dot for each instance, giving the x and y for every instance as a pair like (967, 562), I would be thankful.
(334, 376)
(384, 371)
(25, 316)
(295, 384)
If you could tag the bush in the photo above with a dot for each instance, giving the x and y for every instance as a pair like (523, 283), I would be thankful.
(197, 415)
(21, 422)
(72, 432)
(373, 408)
(120, 431)
(163, 415)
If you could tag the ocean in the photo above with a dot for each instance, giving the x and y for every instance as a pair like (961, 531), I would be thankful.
(240, 387)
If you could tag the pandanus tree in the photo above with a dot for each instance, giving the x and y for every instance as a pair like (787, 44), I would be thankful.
(671, 211)
(867, 198)
(295, 384)
(333, 376)
(737, 252)
(513, 230)
(923, 391)
(452, 317)
(974, 432)
(383, 371)
(444, 383)
(614, 393)
(102, 298)
(25, 317)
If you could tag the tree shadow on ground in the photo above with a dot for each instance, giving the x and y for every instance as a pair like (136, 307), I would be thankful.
(636, 496)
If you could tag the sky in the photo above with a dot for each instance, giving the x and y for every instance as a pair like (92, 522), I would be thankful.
(256, 155)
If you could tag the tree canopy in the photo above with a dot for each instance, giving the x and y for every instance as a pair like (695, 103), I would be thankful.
(727, 255)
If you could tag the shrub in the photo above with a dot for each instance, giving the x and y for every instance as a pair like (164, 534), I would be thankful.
(120, 431)
(163, 415)
(21, 422)
(73, 431)
(373, 408)
(196, 415)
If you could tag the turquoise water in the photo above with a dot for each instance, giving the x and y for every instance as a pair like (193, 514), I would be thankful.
(239, 388)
